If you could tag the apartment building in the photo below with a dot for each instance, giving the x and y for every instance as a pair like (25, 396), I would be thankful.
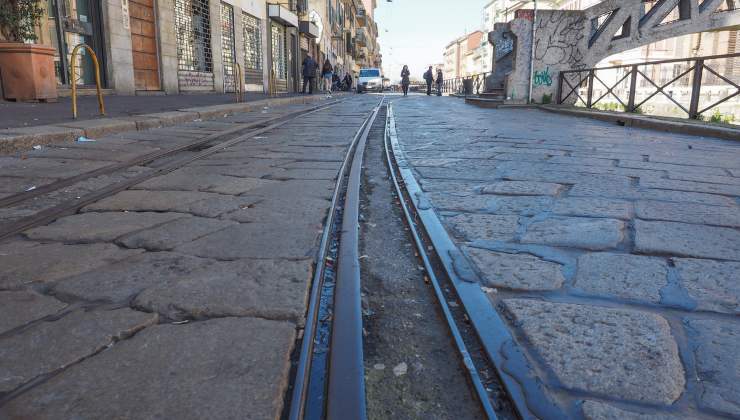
(178, 46)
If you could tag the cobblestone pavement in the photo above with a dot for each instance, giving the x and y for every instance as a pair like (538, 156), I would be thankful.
(179, 297)
(613, 252)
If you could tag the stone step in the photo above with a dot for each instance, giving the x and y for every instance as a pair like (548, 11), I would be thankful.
(484, 102)
(493, 95)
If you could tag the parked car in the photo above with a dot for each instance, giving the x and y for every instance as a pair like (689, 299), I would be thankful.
(370, 80)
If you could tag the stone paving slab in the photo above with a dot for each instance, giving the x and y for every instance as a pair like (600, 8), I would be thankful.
(164, 371)
(202, 179)
(24, 262)
(573, 232)
(593, 207)
(517, 272)
(686, 240)
(273, 289)
(713, 285)
(470, 227)
(688, 213)
(54, 345)
(19, 308)
(622, 275)
(610, 352)
(717, 364)
(522, 188)
(168, 236)
(593, 410)
(99, 227)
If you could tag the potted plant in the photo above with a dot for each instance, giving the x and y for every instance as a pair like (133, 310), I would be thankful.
(26, 69)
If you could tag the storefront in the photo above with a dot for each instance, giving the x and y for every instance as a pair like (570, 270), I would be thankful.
(194, 53)
(283, 48)
(228, 47)
(253, 62)
(74, 22)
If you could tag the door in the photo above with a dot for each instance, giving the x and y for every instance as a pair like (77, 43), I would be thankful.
(144, 44)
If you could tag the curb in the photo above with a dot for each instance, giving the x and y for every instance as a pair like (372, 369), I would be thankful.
(641, 121)
(24, 138)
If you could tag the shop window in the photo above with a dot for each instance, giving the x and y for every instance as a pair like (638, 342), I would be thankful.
(279, 59)
(252, 42)
(193, 31)
(228, 47)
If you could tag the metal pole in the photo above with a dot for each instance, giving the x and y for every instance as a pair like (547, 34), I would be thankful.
(531, 61)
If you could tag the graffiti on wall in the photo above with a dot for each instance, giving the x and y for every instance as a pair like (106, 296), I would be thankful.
(543, 77)
(503, 47)
(559, 40)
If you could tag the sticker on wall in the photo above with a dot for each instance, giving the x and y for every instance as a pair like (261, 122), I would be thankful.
(125, 16)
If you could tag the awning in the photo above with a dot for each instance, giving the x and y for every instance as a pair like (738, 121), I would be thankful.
(309, 29)
(282, 15)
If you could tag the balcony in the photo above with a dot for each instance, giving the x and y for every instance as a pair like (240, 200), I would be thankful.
(361, 17)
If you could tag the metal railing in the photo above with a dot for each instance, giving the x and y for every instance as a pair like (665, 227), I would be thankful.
(468, 85)
(692, 86)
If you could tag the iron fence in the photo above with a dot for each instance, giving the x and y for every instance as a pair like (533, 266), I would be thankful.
(468, 85)
(681, 87)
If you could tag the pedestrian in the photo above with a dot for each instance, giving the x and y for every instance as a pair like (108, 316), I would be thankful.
(440, 80)
(429, 77)
(405, 81)
(326, 73)
(335, 81)
(309, 73)
(347, 82)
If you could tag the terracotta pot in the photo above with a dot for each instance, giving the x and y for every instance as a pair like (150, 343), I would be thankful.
(27, 72)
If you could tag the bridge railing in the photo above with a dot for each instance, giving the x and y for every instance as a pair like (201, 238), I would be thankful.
(468, 85)
(698, 88)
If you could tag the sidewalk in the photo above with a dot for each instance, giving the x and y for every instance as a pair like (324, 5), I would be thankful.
(180, 297)
(24, 125)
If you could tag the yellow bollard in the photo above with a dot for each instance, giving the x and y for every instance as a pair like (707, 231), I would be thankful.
(73, 79)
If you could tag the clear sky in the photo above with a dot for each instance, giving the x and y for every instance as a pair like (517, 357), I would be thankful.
(415, 32)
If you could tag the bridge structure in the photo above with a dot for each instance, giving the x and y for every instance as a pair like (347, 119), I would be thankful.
(579, 39)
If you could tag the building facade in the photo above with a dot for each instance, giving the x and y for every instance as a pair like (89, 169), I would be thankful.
(183, 46)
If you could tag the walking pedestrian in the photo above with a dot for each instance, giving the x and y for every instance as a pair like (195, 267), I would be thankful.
(347, 82)
(429, 77)
(405, 81)
(440, 80)
(309, 73)
(326, 73)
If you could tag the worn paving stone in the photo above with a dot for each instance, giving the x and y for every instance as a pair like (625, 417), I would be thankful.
(296, 188)
(688, 213)
(303, 211)
(525, 206)
(49, 168)
(589, 189)
(21, 307)
(203, 179)
(121, 281)
(593, 410)
(593, 234)
(197, 203)
(25, 262)
(286, 174)
(522, 188)
(609, 352)
(593, 207)
(13, 185)
(100, 227)
(516, 271)
(272, 289)
(53, 345)
(458, 188)
(256, 240)
(687, 240)
(699, 170)
(717, 365)
(470, 227)
(622, 275)
(716, 179)
(713, 285)
(171, 234)
(453, 202)
(164, 371)
(668, 184)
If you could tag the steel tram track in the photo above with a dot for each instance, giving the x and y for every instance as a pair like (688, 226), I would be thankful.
(203, 147)
(329, 380)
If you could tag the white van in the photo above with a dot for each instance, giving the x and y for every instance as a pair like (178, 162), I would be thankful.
(370, 80)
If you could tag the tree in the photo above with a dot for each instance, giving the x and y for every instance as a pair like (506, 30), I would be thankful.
(19, 19)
